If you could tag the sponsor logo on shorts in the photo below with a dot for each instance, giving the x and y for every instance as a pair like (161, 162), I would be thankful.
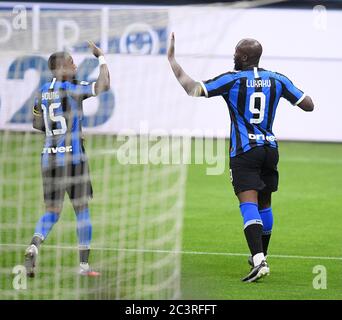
(57, 149)
(261, 137)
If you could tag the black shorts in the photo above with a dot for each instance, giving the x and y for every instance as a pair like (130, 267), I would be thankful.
(71, 179)
(255, 169)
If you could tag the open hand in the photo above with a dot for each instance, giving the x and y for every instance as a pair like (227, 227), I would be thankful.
(96, 50)
(171, 49)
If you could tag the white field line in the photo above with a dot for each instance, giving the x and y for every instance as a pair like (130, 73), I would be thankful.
(10, 245)
(220, 157)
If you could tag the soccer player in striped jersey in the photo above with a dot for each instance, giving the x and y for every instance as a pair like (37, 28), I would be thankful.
(252, 95)
(58, 113)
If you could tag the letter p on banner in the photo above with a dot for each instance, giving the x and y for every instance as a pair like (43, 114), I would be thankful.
(20, 279)
(319, 281)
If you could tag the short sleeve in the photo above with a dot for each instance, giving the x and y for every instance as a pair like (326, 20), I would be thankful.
(219, 85)
(290, 92)
(83, 89)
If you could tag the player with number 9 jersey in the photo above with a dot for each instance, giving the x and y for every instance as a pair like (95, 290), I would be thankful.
(252, 95)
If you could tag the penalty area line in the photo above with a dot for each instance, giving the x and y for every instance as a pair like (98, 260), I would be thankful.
(203, 253)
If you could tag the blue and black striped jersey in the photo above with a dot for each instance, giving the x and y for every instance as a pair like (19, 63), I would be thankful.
(59, 104)
(252, 96)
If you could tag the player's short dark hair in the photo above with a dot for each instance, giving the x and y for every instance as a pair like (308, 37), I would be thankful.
(56, 59)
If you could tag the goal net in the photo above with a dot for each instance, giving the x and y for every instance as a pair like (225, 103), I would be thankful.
(137, 208)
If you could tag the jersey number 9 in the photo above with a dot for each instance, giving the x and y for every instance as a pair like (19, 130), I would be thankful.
(260, 113)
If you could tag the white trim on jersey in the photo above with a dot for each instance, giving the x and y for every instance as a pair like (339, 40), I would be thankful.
(52, 83)
(204, 88)
(93, 89)
(300, 99)
(256, 74)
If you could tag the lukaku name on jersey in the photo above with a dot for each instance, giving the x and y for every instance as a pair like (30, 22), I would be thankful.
(258, 83)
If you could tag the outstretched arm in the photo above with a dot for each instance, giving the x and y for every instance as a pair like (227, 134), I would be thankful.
(306, 104)
(191, 87)
(103, 80)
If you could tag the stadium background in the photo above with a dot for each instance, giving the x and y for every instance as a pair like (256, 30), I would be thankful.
(195, 248)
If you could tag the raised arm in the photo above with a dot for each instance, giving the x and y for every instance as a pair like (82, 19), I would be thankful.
(103, 80)
(192, 87)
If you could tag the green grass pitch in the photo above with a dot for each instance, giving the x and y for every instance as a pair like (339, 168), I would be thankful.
(307, 222)
(307, 228)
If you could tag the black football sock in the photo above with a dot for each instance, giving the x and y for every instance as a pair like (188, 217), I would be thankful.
(37, 241)
(84, 255)
(253, 229)
(253, 234)
(265, 242)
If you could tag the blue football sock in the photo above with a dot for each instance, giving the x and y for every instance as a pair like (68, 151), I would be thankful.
(250, 213)
(45, 224)
(84, 229)
(267, 220)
